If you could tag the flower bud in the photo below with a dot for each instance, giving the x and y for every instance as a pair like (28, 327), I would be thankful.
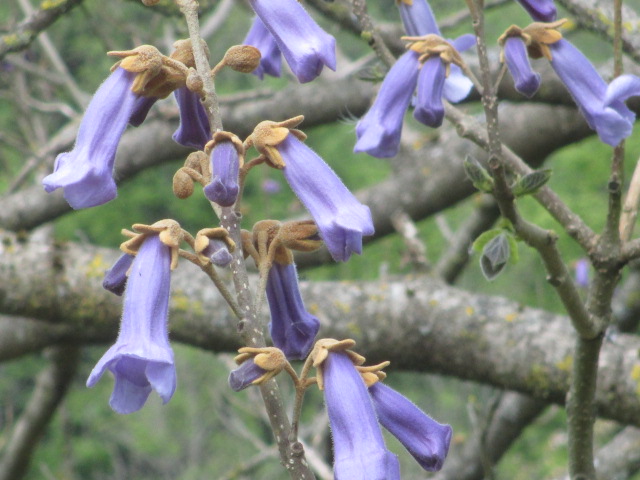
(182, 184)
(242, 58)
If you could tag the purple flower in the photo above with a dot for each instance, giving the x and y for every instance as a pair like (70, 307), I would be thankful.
(141, 109)
(194, 130)
(602, 105)
(418, 18)
(429, 108)
(223, 188)
(582, 273)
(540, 10)
(427, 440)
(292, 328)
(379, 131)
(218, 253)
(141, 359)
(261, 38)
(271, 186)
(359, 449)
(85, 173)
(525, 79)
(306, 47)
(244, 376)
(341, 219)
(115, 279)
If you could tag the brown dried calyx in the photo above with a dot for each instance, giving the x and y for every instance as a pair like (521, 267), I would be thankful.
(536, 36)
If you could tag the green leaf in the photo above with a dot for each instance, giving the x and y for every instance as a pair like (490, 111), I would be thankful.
(478, 175)
(484, 238)
(532, 182)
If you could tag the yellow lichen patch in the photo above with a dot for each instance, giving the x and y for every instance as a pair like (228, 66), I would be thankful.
(510, 317)
(48, 4)
(10, 40)
(376, 298)
(635, 374)
(565, 364)
(469, 311)
(313, 308)
(183, 303)
(354, 329)
(433, 302)
(538, 378)
(96, 267)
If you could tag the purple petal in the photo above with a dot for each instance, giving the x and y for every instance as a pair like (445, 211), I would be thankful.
(379, 130)
(359, 449)
(418, 18)
(341, 219)
(456, 86)
(261, 38)
(621, 88)
(293, 329)
(225, 166)
(306, 47)
(612, 122)
(243, 376)
(427, 440)
(141, 110)
(141, 359)
(540, 10)
(429, 109)
(525, 79)
(115, 279)
(582, 272)
(194, 130)
(85, 173)
(464, 42)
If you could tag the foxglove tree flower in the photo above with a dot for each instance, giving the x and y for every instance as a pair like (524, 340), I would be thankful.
(261, 38)
(433, 65)
(115, 279)
(293, 329)
(86, 172)
(245, 375)
(306, 47)
(141, 359)
(515, 54)
(540, 10)
(427, 440)
(341, 219)
(257, 365)
(226, 152)
(358, 445)
(194, 130)
(215, 245)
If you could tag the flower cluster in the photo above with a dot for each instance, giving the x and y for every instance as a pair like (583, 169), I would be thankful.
(602, 105)
(432, 64)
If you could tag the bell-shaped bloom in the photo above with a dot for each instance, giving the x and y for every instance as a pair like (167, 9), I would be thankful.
(418, 18)
(293, 329)
(379, 131)
(86, 172)
(218, 253)
(305, 46)
(540, 10)
(429, 108)
(358, 445)
(141, 359)
(141, 109)
(225, 167)
(261, 38)
(194, 130)
(602, 105)
(115, 279)
(341, 219)
(525, 79)
(244, 376)
(427, 440)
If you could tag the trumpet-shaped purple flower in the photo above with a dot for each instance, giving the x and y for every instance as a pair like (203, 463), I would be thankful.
(115, 279)
(225, 166)
(141, 359)
(540, 10)
(358, 446)
(306, 47)
(86, 172)
(141, 109)
(602, 105)
(194, 130)
(244, 376)
(379, 130)
(261, 38)
(292, 328)
(525, 79)
(427, 440)
(218, 253)
(429, 108)
(341, 219)
(418, 18)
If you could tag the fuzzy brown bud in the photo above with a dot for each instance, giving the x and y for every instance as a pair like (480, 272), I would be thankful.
(301, 236)
(182, 184)
(242, 58)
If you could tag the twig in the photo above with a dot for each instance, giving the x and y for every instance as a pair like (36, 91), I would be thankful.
(630, 208)
(416, 249)
(373, 36)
